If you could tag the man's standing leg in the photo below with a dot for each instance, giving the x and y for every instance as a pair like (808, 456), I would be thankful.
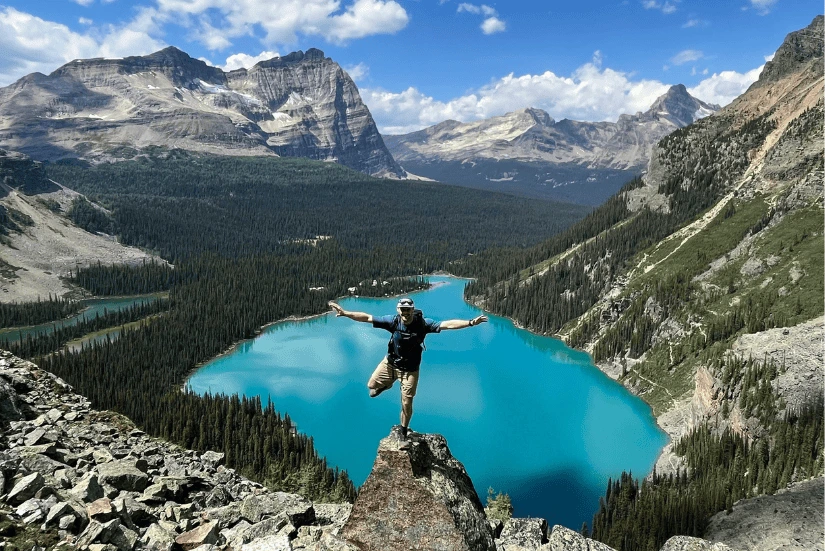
(409, 384)
(382, 378)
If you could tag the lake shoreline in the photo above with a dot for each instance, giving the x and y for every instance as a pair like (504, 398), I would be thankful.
(291, 318)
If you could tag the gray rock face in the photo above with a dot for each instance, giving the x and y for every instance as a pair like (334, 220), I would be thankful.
(522, 533)
(302, 105)
(420, 498)
(687, 543)
(564, 539)
(9, 409)
(798, 48)
(790, 520)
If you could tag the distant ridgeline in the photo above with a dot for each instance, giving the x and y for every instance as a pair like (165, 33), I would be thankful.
(722, 238)
(252, 240)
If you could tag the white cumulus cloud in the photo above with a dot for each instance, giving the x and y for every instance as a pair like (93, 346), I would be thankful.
(493, 25)
(31, 44)
(590, 93)
(686, 56)
(215, 22)
(241, 60)
(722, 88)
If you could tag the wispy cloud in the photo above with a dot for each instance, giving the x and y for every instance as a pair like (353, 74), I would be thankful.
(666, 7)
(358, 72)
(695, 23)
(763, 7)
(491, 24)
(483, 9)
(686, 56)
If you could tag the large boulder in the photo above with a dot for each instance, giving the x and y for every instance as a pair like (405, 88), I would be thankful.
(522, 534)
(687, 543)
(123, 475)
(203, 534)
(564, 539)
(296, 509)
(418, 498)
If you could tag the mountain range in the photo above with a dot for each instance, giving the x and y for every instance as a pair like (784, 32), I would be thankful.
(528, 153)
(301, 104)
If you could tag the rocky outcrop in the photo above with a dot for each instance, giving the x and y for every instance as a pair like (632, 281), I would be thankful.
(302, 105)
(798, 49)
(92, 481)
(420, 498)
(790, 520)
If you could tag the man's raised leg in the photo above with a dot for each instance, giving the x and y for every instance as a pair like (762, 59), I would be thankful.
(382, 378)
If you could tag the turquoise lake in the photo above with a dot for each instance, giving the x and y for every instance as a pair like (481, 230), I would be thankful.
(91, 308)
(525, 414)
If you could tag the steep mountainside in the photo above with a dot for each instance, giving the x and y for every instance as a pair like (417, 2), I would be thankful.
(528, 153)
(700, 286)
(302, 104)
(39, 243)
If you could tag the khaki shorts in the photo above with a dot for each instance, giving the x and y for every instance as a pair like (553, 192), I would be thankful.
(385, 375)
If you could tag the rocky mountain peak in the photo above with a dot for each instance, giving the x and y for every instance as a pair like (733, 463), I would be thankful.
(538, 115)
(300, 105)
(313, 54)
(798, 48)
(679, 107)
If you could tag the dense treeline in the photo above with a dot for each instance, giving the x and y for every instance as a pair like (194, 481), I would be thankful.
(53, 338)
(147, 277)
(187, 204)
(216, 302)
(722, 469)
(89, 217)
(15, 314)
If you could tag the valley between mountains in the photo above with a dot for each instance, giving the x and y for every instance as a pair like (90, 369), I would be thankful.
(681, 247)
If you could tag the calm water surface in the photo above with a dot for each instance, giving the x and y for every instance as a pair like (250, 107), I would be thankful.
(91, 308)
(525, 414)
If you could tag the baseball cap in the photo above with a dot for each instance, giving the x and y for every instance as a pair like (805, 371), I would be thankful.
(406, 303)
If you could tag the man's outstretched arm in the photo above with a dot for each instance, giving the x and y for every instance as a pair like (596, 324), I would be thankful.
(462, 324)
(357, 316)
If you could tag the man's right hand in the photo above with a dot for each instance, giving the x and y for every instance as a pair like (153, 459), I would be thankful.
(338, 310)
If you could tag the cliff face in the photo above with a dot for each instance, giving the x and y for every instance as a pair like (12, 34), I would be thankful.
(302, 104)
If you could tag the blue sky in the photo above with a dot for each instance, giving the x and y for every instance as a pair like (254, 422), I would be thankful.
(418, 62)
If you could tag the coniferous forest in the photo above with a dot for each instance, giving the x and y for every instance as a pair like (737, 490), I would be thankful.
(248, 242)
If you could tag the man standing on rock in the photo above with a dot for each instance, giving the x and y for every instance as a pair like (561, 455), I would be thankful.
(408, 328)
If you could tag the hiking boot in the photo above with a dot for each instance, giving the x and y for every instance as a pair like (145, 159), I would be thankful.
(403, 441)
